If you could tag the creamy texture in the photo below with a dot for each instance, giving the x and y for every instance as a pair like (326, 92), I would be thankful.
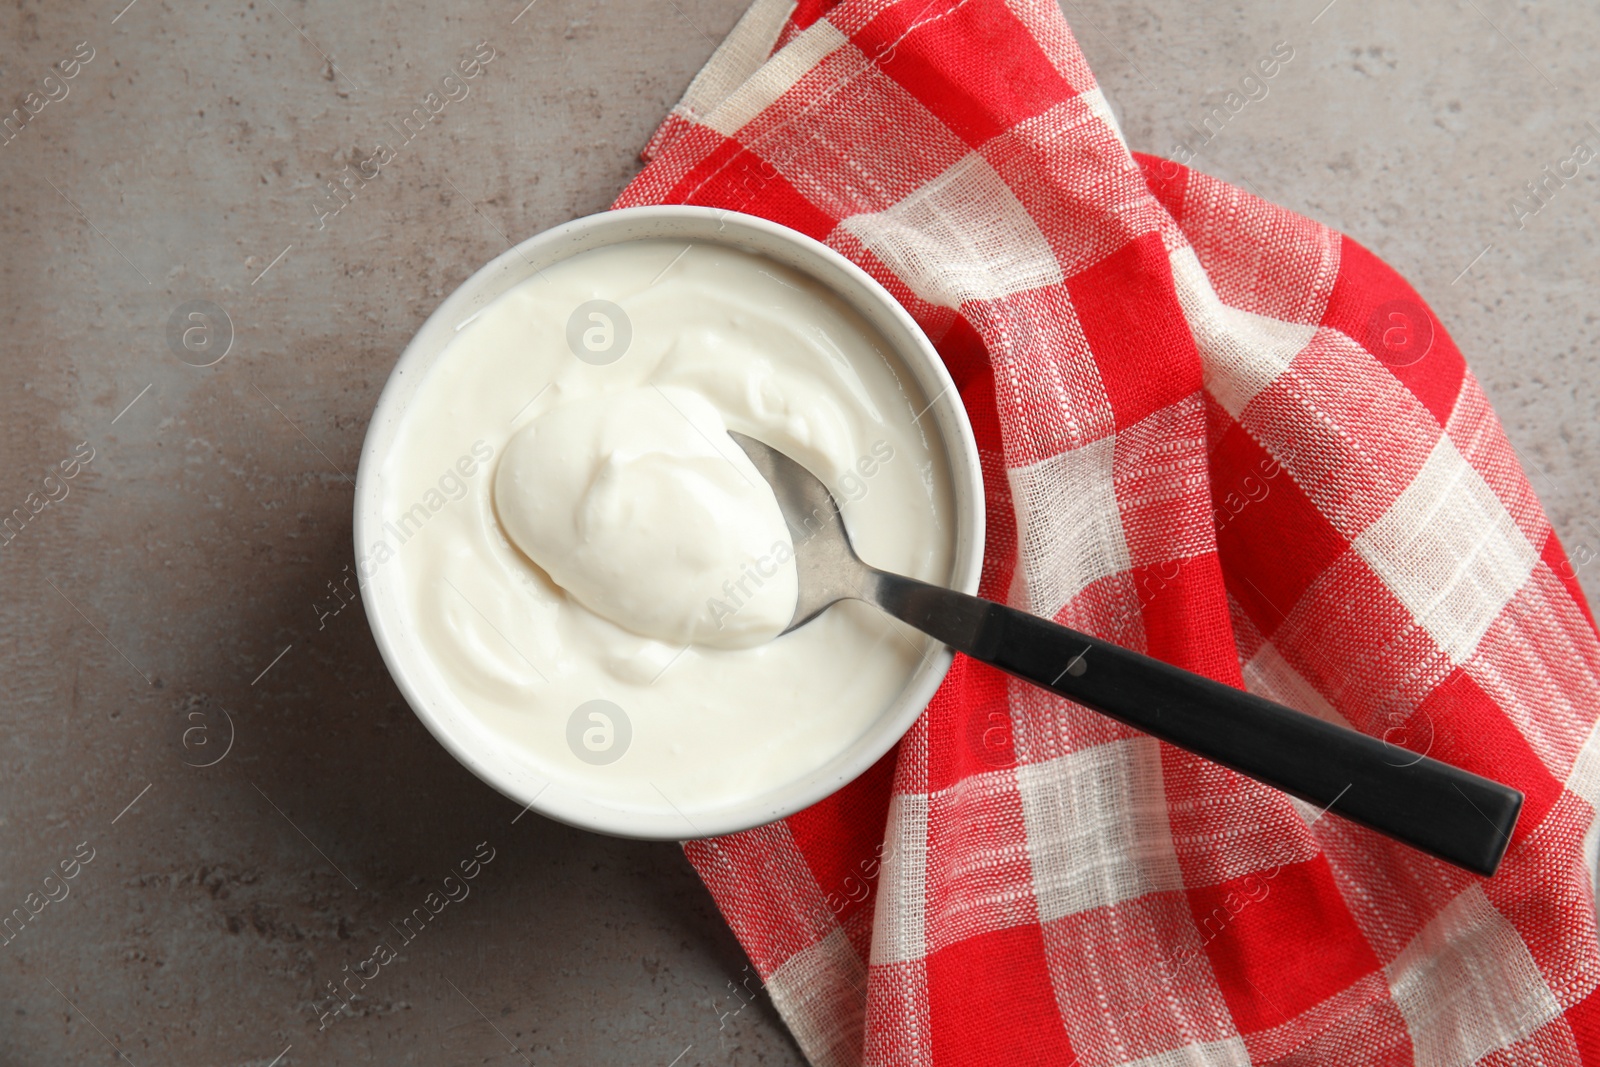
(627, 503)
(618, 547)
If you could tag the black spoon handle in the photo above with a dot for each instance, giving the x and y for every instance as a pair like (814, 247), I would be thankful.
(1442, 810)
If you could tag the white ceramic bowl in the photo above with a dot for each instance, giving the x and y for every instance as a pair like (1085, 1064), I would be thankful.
(444, 714)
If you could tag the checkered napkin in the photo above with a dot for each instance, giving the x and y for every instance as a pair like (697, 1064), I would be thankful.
(1213, 431)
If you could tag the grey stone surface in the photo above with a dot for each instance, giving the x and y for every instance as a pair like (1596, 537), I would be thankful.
(138, 613)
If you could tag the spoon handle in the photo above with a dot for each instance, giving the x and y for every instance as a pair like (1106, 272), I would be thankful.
(1442, 810)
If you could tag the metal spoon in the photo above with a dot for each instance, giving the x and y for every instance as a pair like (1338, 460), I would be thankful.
(1442, 810)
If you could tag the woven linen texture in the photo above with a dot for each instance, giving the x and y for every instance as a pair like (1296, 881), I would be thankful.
(1212, 431)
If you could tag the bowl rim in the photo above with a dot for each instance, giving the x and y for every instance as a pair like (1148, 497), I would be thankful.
(857, 289)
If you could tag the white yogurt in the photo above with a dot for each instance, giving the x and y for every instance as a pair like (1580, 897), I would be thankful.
(626, 503)
(620, 548)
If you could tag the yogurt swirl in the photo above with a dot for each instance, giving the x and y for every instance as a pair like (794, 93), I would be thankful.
(627, 502)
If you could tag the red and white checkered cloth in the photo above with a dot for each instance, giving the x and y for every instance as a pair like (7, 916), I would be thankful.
(1213, 431)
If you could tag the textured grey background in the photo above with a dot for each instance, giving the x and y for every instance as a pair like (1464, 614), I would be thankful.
(193, 551)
